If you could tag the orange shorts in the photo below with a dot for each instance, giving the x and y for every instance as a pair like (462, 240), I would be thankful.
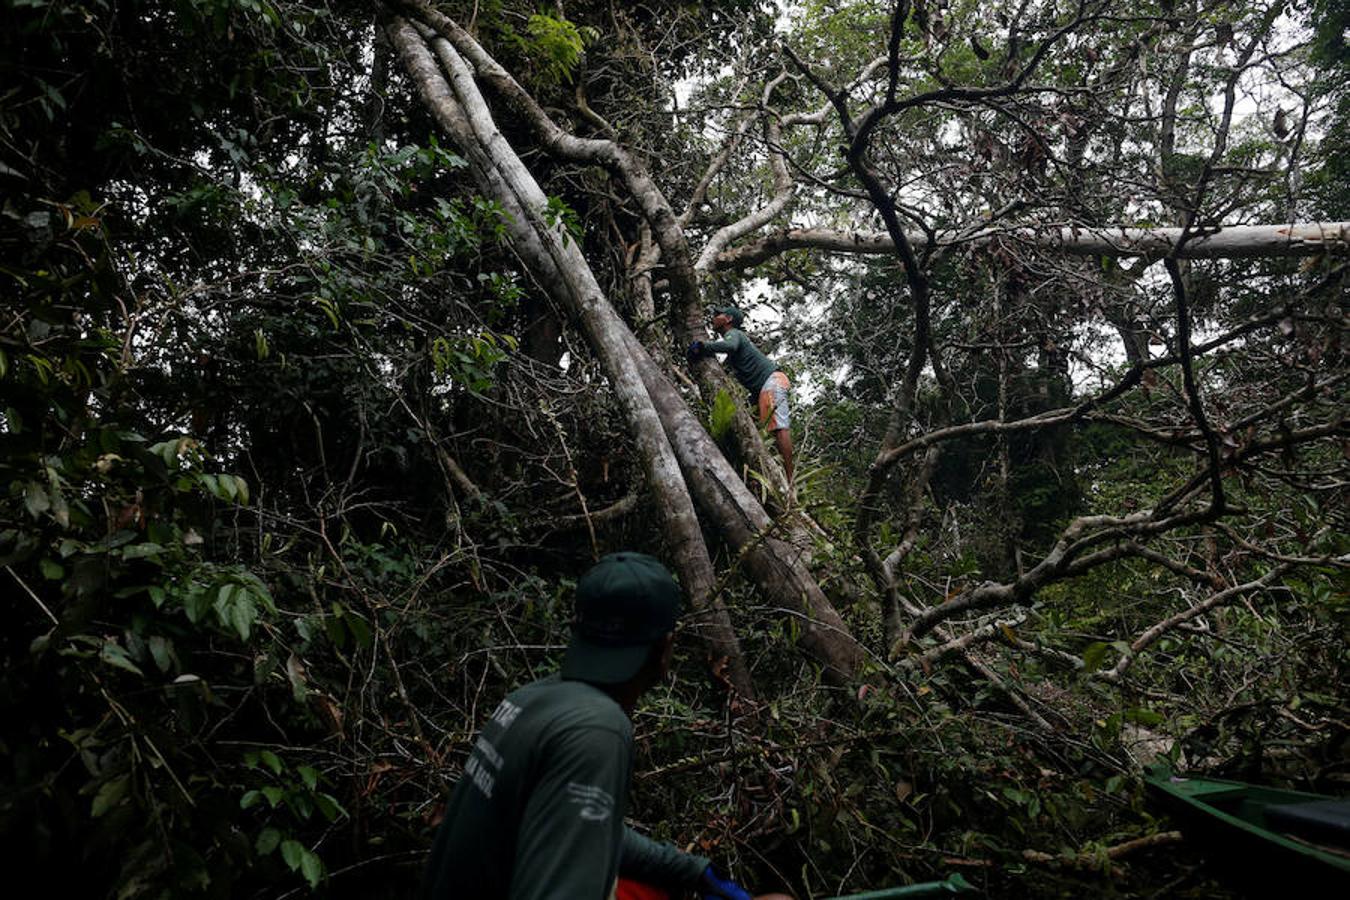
(773, 401)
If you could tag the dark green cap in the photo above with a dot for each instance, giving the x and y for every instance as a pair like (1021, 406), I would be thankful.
(625, 603)
(734, 312)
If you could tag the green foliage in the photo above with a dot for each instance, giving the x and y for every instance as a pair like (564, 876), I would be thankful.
(553, 45)
(722, 414)
(1330, 181)
(558, 44)
(292, 797)
(155, 465)
(290, 469)
(470, 360)
(557, 214)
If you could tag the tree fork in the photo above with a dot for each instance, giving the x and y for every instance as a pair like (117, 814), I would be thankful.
(461, 113)
(666, 227)
(777, 566)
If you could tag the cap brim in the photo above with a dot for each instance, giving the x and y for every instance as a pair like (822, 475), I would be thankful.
(603, 665)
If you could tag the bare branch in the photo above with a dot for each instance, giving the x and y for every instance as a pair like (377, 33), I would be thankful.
(1153, 634)
(1222, 242)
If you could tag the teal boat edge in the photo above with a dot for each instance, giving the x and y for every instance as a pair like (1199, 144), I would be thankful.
(1167, 782)
(1225, 820)
(952, 884)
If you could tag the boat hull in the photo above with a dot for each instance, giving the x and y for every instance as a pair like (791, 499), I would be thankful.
(1227, 822)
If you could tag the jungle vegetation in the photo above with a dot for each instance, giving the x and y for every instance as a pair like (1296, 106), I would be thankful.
(338, 338)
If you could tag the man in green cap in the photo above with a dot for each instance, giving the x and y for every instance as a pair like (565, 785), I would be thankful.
(761, 376)
(539, 810)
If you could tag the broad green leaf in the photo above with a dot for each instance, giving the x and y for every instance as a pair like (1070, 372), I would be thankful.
(243, 615)
(274, 795)
(261, 595)
(309, 775)
(109, 795)
(161, 648)
(268, 839)
(312, 868)
(250, 799)
(336, 633)
(224, 598)
(292, 851)
(226, 488)
(1094, 656)
(197, 602)
(359, 629)
(167, 451)
(301, 805)
(272, 761)
(142, 550)
(329, 806)
(114, 655)
(51, 570)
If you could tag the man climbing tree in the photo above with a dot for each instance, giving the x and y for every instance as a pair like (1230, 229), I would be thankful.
(539, 810)
(761, 376)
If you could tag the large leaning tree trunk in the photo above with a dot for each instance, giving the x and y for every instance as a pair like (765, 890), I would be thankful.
(559, 268)
(555, 262)
(688, 471)
(667, 245)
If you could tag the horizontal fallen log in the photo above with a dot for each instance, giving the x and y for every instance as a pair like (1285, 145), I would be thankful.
(1229, 242)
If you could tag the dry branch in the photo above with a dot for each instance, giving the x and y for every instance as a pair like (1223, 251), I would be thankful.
(1117, 241)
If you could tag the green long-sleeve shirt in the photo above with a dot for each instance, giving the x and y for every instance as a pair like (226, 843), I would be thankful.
(751, 367)
(539, 811)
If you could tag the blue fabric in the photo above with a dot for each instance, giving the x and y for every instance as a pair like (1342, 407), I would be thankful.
(713, 886)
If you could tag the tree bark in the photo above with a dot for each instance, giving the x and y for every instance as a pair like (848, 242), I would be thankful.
(556, 263)
(1230, 242)
(665, 226)
(776, 566)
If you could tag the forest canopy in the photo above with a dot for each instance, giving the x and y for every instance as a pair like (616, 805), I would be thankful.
(340, 337)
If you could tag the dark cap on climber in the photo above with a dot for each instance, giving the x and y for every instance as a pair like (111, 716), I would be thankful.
(625, 604)
(731, 312)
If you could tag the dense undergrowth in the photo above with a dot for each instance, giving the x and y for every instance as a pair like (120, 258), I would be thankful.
(291, 462)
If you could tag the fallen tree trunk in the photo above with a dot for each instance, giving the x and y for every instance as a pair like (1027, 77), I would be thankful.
(777, 567)
(773, 564)
(666, 229)
(556, 263)
(1230, 242)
